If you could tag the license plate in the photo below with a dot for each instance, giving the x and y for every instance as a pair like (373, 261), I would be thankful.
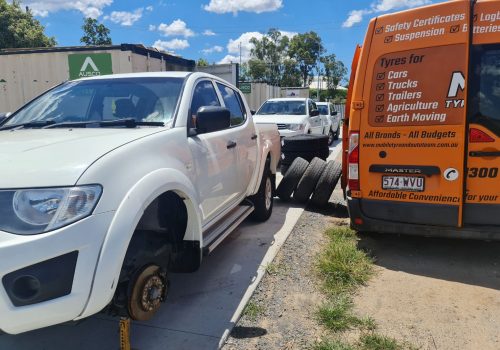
(403, 183)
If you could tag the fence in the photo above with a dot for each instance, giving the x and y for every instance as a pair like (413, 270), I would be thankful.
(258, 93)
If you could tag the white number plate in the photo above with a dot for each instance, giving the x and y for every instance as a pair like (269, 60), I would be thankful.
(403, 183)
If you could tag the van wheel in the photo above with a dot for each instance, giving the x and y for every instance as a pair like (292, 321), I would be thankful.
(263, 200)
(308, 182)
(326, 184)
(291, 179)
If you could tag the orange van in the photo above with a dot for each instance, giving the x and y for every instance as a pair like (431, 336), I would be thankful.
(422, 132)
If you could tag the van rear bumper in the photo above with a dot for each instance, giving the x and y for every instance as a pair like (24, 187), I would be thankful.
(385, 226)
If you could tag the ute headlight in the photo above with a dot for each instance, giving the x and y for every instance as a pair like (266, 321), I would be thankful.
(42, 210)
(296, 127)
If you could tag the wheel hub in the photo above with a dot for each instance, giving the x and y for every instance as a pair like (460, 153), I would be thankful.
(148, 291)
(269, 193)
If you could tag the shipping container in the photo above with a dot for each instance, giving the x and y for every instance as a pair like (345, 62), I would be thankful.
(26, 73)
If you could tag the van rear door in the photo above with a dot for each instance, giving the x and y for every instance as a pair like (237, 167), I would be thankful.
(410, 114)
(482, 202)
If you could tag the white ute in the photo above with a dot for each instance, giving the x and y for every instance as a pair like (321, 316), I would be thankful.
(110, 183)
(293, 116)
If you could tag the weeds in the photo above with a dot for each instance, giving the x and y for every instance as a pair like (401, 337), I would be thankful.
(253, 311)
(343, 268)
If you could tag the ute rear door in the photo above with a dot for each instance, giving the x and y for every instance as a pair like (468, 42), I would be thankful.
(482, 202)
(412, 115)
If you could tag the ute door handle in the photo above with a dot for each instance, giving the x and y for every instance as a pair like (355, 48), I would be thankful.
(254, 137)
(231, 144)
(484, 154)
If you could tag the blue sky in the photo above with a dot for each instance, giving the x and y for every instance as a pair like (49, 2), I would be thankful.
(213, 29)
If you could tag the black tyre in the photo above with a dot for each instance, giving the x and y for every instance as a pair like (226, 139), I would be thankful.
(289, 157)
(301, 143)
(263, 199)
(331, 137)
(326, 184)
(308, 182)
(291, 178)
(336, 134)
(284, 168)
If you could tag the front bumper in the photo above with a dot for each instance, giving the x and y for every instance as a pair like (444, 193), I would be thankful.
(77, 246)
(287, 133)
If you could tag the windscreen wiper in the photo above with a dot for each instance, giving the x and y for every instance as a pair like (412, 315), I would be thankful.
(34, 124)
(128, 123)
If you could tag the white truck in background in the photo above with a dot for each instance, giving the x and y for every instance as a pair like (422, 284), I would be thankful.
(110, 183)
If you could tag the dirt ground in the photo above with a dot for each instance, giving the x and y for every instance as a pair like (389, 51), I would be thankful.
(432, 293)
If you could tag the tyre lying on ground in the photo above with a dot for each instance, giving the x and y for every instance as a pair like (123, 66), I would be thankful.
(326, 183)
(308, 182)
(303, 146)
(291, 179)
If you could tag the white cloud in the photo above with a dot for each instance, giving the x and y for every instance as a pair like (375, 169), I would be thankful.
(356, 16)
(89, 8)
(176, 28)
(208, 32)
(233, 46)
(174, 44)
(229, 59)
(125, 18)
(213, 49)
(234, 6)
(152, 28)
(149, 8)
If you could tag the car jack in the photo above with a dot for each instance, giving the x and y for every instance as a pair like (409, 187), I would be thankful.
(125, 333)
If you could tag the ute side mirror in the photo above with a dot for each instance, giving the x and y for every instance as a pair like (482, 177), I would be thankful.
(314, 113)
(253, 111)
(334, 113)
(210, 119)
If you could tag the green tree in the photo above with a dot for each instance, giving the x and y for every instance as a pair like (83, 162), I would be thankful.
(18, 28)
(268, 56)
(291, 73)
(95, 33)
(202, 62)
(334, 72)
(306, 49)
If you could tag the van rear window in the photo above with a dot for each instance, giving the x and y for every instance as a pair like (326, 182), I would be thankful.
(485, 87)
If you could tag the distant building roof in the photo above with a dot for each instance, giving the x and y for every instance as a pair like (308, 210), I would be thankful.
(136, 48)
(322, 83)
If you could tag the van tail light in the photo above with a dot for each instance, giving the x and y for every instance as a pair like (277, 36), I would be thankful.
(353, 160)
(476, 135)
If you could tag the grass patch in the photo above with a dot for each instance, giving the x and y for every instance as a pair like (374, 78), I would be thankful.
(275, 269)
(336, 315)
(332, 345)
(253, 311)
(343, 268)
(342, 265)
(379, 342)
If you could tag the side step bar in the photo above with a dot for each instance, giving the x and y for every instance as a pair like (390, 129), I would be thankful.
(227, 225)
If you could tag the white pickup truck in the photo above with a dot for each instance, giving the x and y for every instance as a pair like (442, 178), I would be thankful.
(110, 183)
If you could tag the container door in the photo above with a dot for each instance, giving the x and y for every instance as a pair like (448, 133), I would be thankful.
(412, 123)
(482, 205)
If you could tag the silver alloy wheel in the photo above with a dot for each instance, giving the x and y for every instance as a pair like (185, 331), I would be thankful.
(269, 193)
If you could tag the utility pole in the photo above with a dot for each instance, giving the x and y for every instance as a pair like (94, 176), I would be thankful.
(240, 52)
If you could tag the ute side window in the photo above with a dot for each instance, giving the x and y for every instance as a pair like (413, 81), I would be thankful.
(204, 95)
(232, 103)
(485, 87)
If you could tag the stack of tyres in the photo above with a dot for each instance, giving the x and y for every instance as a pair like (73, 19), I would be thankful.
(306, 146)
(314, 181)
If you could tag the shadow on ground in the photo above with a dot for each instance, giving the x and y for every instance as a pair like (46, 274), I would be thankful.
(465, 261)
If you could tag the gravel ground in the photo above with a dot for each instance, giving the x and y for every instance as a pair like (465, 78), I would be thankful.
(288, 296)
(431, 293)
